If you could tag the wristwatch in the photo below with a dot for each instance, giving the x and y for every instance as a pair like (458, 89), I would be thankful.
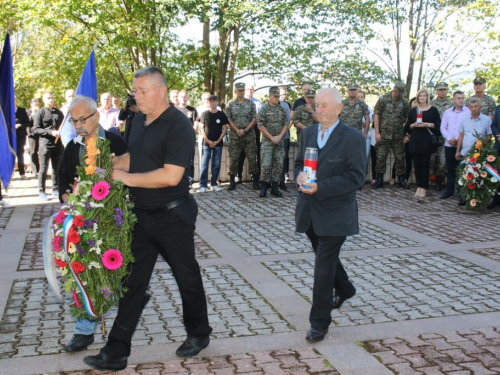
(245, 131)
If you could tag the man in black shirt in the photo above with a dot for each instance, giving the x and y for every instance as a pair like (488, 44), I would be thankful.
(192, 115)
(213, 129)
(22, 125)
(32, 137)
(302, 100)
(85, 119)
(156, 170)
(46, 125)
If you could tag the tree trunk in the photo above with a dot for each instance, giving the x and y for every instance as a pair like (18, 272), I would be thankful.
(232, 63)
(206, 59)
(424, 43)
(220, 60)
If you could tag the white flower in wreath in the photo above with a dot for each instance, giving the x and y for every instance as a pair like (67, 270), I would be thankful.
(93, 265)
(478, 166)
(493, 179)
(476, 174)
(461, 182)
(94, 229)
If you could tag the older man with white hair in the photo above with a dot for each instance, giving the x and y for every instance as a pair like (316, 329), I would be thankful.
(326, 209)
(85, 119)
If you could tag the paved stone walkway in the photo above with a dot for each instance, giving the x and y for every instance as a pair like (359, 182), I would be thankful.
(427, 277)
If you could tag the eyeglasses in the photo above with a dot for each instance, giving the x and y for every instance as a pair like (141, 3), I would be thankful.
(81, 120)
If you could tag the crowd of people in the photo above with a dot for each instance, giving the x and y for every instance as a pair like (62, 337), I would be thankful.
(153, 140)
(260, 134)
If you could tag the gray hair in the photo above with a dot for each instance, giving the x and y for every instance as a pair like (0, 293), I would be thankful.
(151, 71)
(474, 100)
(337, 98)
(77, 99)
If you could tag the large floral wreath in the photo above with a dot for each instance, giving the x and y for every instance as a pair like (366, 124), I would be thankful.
(478, 176)
(92, 234)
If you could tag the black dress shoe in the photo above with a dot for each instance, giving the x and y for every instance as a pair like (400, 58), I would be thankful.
(461, 203)
(446, 195)
(282, 186)
(316, 334)
(192, 346)
(337, 300)
(104, 362)
(494, 203)
(78, 342)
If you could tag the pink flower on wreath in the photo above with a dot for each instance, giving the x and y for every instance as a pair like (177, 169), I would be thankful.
(56, 244)
(490, 158)
(100, 190)
(77, 300)
(112, 259)
(484, 174)
(61, 216)
(473, 203)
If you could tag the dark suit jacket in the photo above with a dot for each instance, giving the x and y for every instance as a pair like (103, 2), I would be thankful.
(495, 127)
(333, 210)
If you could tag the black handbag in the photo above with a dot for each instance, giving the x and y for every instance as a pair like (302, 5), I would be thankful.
(435, 142)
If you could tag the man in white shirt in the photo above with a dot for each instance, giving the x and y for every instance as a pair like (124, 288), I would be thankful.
(108, 115)
(450, 124)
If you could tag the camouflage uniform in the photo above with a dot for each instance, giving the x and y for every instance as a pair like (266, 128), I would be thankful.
(273, 118)
(352, 113)
(303, 116)
(241, 114)
(392, 117)
(438, 160)
(487, 103)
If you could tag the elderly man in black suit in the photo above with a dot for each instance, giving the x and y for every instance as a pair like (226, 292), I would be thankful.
(327, 210)
(495, 129)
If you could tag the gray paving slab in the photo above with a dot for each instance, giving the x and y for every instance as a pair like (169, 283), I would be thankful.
(411, 283)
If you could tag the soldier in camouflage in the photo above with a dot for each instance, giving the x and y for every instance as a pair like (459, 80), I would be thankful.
(305, 115)
(438, 160)
(355, 110)
(273, 124)
(389, 117)
(487, 102)
(241, 115)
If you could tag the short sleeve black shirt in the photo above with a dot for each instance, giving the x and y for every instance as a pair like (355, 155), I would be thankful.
(300, 101)
(169, 139)
(212, 125)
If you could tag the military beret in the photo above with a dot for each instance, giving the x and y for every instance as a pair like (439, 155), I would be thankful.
(213, 97)
(353, 86)
(401, 87)
(275, 91)
(239, 86)
(311, 93)
(441, 85)
(479, 80)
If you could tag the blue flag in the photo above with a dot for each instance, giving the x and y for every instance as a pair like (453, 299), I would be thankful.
(7, 115)
(86, 87)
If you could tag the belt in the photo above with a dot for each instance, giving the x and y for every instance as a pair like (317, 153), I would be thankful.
(168, 206)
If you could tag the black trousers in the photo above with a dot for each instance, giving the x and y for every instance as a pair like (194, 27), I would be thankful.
(329, 275)
(422, 165)
(34, 162)
(53, 154)
(241, 160)
(20, 143)
(451, 166)
(286, 160)
(171, 234)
